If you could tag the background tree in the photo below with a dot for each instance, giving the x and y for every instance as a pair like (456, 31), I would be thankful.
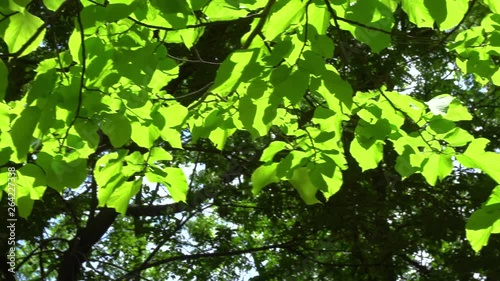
(262, 140)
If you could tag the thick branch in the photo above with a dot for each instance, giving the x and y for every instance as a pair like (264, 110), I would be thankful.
(81, 245)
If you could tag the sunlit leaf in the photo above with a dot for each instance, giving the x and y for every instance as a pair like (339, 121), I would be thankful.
(24, 31)
(263, 176)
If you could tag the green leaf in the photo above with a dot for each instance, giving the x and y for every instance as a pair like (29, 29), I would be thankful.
(53, 5)
(293, 160)
(219, 136)
(263, 176)
(223, 10)
(283, 15)
(476, 157)
(232, 71)
(256, 114)
(457, 112)
(176, 184)
(108, 173)
(172, 136)
(319, 18)
(22, 29)
(326, 176)
(4, 117)
(4, 181)
(63, 172)
(409, 162)
(418, 13)
(368, 153)
(294, 87)
(158, 154)
(117, 127)
(373, 13)
(175, 115)
(412, 107)
(437, 166)
(447, 13)
(273, 148)
(458, 137)
(324, 46)
(494, 5)
(121, 195)
(485, 221)
(30, 186)
(301, 181)
(22, 131)
(144, 135)
(328, 120)
(336, 92)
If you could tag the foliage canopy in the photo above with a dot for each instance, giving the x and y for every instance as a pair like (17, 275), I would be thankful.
(350, 135)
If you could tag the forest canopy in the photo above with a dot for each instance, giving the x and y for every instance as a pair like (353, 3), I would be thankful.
(250, 140)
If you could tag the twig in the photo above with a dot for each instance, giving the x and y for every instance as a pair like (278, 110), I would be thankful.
(82, 77)
(199, 25)
(193, 61)
(341, 37)
(260, 24)
(202, 60)
(305, 28)
(186, 95)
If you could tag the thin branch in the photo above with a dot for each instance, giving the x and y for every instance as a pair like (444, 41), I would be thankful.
(199, 25)
(199, 101)
(199, 60)
(421, 268)
(166, 237)
(119, 267)
(155, 210)
(265, 42)
(364, 25)
(202, 60)
(6, 16)
(215, 254)
(154, 195)
(82, 78)
(305, 28)
(36, 250)
(260, 24)
(341, 37)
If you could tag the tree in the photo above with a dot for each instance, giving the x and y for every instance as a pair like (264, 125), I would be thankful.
(287, 140)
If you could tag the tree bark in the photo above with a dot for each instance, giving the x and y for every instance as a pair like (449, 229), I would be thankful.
(81, 245)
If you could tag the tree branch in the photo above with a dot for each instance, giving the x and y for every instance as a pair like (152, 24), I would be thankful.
(260, 24)
(214, 255)
(81, 245)
(82, 78)
(155, 210)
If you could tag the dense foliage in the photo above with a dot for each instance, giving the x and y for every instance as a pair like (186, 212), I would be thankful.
(252, 139)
